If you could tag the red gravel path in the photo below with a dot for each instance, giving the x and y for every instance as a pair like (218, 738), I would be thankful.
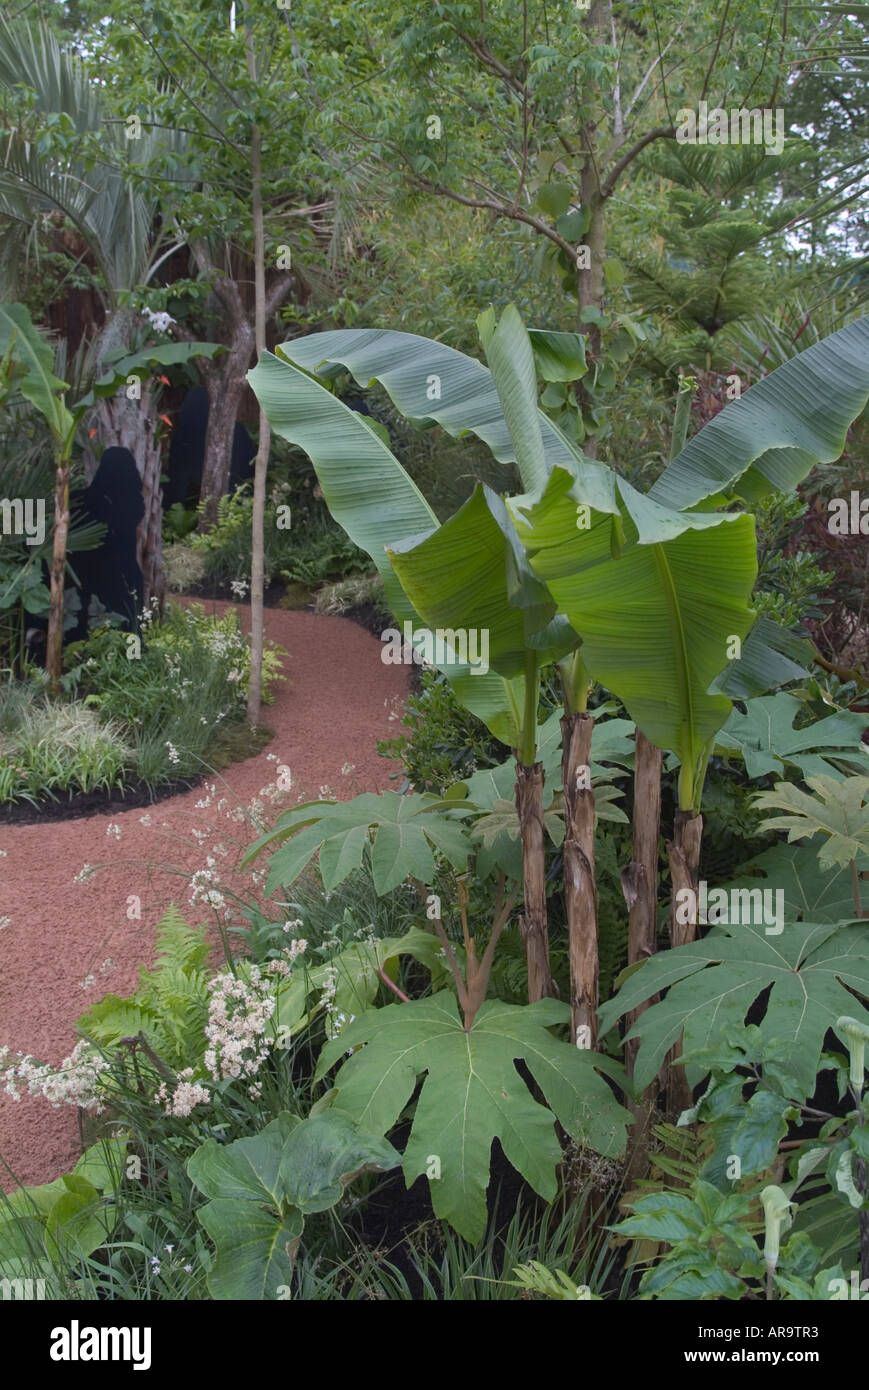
(330, 712)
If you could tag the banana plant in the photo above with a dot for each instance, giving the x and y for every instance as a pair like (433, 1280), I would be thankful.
(635, 591)
(28, 366)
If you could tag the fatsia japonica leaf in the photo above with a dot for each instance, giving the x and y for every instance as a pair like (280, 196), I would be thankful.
(766, 738)
(473, 1094)
(773, 435)
(811, 894)
(400, 831)
(711, 984)
(839, 810)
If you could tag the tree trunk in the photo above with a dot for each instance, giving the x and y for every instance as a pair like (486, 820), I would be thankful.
(640, 887)
(54, 640)
(580, 891)
(226, 385)
(257, 632)
(131, 423)
(532, 922)
(683, 852)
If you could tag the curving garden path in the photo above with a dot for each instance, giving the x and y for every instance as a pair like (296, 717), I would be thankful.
(68, 942)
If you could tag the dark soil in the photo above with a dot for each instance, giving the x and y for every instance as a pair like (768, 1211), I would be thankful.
(74, 805)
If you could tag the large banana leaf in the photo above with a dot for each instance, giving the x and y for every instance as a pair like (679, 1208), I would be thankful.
(775, 434)
(655, 596)
(35, 356)
(370, 494)
(427, 381)
(472, 574)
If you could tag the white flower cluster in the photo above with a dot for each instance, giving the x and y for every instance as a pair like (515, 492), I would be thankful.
(158, 319)
(238, 1014)
(74, 1082)
(239, 588)
(185, 1096)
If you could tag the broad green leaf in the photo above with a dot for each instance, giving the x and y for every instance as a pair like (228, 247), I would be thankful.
(261, 1187)
(323, 1155)
(255, 1250)
(247, 1170)
(811, 894)
(511, 362)
(773, 435)
(656, 608)
(163, 355)
(405, 830)
(79, 1221)
(471, 577)
(472, 1094)
(426, 381)
(363, 484)
(559, 356)
(370, 494)
(36, 382)
(711, 985)
(839, 810)
(771, 656)
(766, 738)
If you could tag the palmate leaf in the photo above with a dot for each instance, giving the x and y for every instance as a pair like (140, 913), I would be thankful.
(773, 435)
(352, 978)
(712, 984)
(405, 831)
(656, 597)
(473, 1094)
(811, 894)
(839, 810)
(766, 738)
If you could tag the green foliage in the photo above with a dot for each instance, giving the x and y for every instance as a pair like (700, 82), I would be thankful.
(837, 810)
(170, 1006)
(47, 748)
(446, 743)
(407, 828)
(712, 984)
(261, 1189)
(713, 1250)
(549, 1283)
(473, 1094)
(176, 698)
(311, 550)
(43, 1228)
(811, 894)
(766, 739)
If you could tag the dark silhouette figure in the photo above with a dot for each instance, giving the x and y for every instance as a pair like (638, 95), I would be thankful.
(111, 572)
(187, 452)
